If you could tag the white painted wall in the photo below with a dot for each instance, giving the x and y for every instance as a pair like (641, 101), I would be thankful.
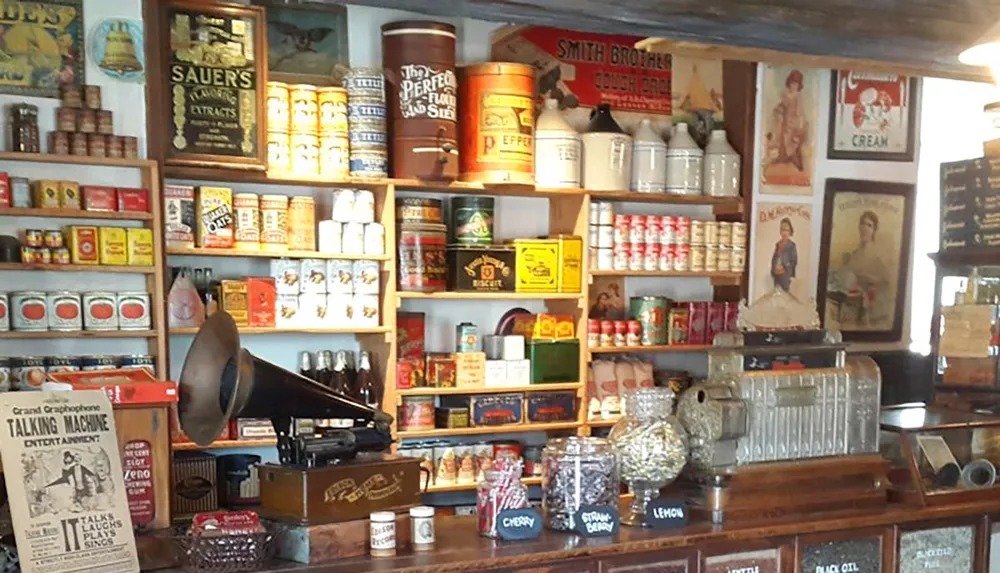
(894, 171)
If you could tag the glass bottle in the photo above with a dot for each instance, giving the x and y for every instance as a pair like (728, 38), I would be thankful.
(352, 372)
(607, 153)
(199, 283)
(338, 378)
(651, 446)
(500, 489)
(207, 286)
(324, 368)
(558, 150)
(306, 365)
(364, 389)
(576, 471)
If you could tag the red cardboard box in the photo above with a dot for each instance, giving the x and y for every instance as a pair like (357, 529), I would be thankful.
(99, 198)
(261, 294)
(4, 189)
(716, 320)
(732, 314)
(697, 322)
(131, 199)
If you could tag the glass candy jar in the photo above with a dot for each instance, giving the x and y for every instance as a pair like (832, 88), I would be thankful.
(500, 489)
(650, 444)
(576, 471)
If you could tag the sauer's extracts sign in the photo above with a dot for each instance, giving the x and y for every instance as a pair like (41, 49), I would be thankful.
(214, 78)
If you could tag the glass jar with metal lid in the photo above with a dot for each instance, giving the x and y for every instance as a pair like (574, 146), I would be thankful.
(576, 471)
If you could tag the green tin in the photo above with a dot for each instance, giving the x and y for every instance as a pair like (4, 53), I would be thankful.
(472, 220)
(651, 312)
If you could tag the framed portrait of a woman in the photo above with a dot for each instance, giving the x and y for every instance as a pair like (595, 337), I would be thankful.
(864, 258)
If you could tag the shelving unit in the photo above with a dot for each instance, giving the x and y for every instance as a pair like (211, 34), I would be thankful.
(471, 391)
(226, 445)
(201, 252)
(149, 179)
(471, 486)
(490, 295)
(652, 348)
(602, 423)
(255, 330)
(480, 430)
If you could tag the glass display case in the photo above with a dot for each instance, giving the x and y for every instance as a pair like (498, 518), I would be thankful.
(938, 455)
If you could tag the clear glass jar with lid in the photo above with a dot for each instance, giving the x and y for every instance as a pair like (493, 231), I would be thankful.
(501, 488)
(576, 471)
(650, 444)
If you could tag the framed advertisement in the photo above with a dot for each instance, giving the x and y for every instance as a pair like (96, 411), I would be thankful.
(790, 100)
(42, 47)
(872, 116)
(864, 258)
(782, 244)
(306, 43)
(213, 85)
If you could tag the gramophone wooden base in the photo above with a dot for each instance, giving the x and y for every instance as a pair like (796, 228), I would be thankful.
(312, 544)
(344, 492)
(779, 489)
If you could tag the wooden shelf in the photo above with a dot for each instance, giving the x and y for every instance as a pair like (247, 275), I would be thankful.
(967, 388)
(985, 256)
(75, 160)
(472, 486)
(14, 334)
(75, 214)
(77, 268)
(256, 330)
(202, 252)
(731, 203)
(491, 295)
(461, 391)
(499, 189)
(653, 348)
(717, 277)
(226, 444)
(479, 430)
(602, 423)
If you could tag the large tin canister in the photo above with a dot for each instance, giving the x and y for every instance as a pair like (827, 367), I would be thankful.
(419, 62)
(497, 107)
(651, 312)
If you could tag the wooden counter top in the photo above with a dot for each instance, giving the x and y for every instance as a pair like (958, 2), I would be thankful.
(460, 548)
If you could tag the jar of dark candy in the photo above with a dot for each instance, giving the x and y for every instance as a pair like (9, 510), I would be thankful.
(24, 128)
(576, 471)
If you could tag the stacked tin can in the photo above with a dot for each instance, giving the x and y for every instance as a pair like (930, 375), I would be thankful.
(663, 242)
(334, 142)
(278, 123)
(304, 139)
(366, 121)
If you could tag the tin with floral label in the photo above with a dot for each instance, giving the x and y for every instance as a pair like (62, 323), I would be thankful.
(34, 238)
(682, 257)
(668, 226)
(29, 255)
(620, 255)
(4, 374)
(64, 311)
(636, 254)
(43, 256)
(4, 312)
(651, 312)
(653, 230)
(620, 232)
(682, 231)
(697, 261)
(29, 311)
(651, 257)
(27, 373)
(133, 311)
(100, 311)
(665, 262)
(53, 239)
(63, 363)
(637, 230)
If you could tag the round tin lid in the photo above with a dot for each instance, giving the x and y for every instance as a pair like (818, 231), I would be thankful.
(498, 69)
(418, 27)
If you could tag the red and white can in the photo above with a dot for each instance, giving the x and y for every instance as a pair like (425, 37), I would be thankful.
(653, 230)
(697, 232)
(620, 255)
(64, 311)
(665, 262)
(607, 333)
(4, 312)
(593, 333)
(682, 257)
(29, 311)
(637, 230)
(697, 260)
(651, 258)
(621, 330)
(620, 234)
(636, 254)
(100, 311)
(633, 335)
(682, 231)
(133, 311)
(668, 223)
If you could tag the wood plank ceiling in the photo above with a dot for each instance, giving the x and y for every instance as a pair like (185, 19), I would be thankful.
(922, 36)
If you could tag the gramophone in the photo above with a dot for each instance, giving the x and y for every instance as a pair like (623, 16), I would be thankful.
(336, 475)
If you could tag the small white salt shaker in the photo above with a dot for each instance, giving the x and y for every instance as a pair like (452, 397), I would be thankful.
(382, 528)
(422, 527)
(330, 237)
(374, 239)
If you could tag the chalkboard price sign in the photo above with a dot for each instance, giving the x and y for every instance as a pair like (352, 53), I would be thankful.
(213, 90)
(666, 514)
(597, 520)
(517, 524)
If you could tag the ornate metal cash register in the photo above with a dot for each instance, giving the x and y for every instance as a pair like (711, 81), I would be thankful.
(786, 423)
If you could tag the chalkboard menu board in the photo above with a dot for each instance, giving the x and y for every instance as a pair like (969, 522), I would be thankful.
(942, 550)
(214, 77)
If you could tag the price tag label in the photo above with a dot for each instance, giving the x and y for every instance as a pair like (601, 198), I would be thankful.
(666, 514)
(517, 524)
(597, 520)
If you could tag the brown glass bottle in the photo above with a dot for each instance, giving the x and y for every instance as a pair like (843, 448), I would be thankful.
(324, 369)
(365, 383)
(339, 381)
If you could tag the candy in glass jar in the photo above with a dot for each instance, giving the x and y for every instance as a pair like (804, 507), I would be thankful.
(500, 489)
(576, 471)
(651, 446)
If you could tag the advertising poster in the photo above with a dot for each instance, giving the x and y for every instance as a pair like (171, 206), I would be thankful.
(581, 70)
(42, 46)
(65, 483)
(696, 95)
(783, 250)
(789, 114)
(872, 116)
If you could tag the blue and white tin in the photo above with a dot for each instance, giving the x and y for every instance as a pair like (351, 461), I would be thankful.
(365, 82)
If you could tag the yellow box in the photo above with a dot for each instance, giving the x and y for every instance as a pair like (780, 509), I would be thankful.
(140, 247)
(69, 195)
(111, 243)
(45, 194)
(236, 301)
(537, 265)
(470, 369)
(82, 242)
(214, 212)
(570, 263)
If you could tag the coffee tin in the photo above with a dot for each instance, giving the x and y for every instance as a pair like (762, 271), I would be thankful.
(418, 210)
(739, 240)
(472, 220)
(361, 110)
(365, 82)
(369, 164)
(711, 233)
(737, 260)
(62, 363)
(136, 361)
(697, 259)
(278, 106)
(4, 312)
(64, 311)
(92, 362)
(725, 234)
(4, 374)
(332, 111)
(697, 232)
(27, 372)
(29, 311)
(279, 158)
(133, 311)
(304, 108)
(100, 311)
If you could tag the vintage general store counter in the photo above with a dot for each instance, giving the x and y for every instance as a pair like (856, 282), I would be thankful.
(848, 542)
